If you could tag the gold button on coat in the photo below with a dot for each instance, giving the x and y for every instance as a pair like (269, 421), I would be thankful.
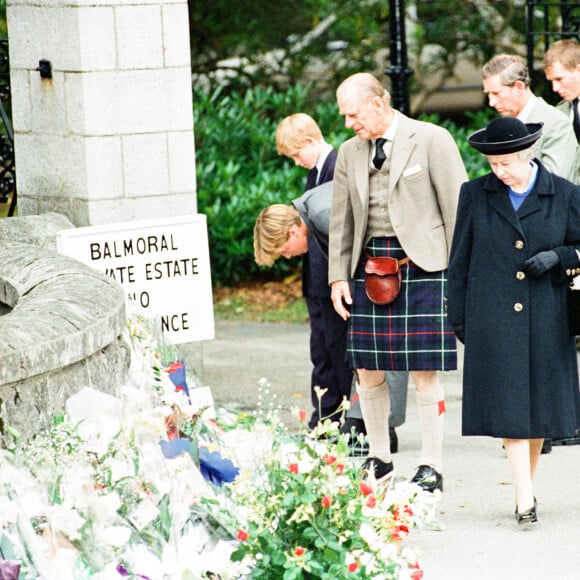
(518, 307)
(519, 244)
(520, 275)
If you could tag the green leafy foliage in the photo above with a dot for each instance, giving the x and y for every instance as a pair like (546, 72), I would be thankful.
(475, 163)
(239, 171)
(246, 44)
(320, 521)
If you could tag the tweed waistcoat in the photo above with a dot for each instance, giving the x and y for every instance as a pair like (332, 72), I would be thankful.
(379, 221)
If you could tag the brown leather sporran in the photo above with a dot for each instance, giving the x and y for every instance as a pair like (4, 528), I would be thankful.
(383, 278)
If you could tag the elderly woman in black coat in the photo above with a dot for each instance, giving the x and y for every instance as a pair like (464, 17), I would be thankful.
(513, 255)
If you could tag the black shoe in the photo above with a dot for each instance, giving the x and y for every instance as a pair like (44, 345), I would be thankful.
(394, 440)
(546, 446)
(529, 516)
(428, 479)
(377, 472)
(574, 440)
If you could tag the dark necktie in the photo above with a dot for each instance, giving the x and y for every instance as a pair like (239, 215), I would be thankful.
(576, 121)
(312, 178)
(380, 156)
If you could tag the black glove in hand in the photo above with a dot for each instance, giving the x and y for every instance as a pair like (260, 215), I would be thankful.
(541, 263)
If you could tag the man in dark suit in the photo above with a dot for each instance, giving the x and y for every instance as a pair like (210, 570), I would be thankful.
(396, 186)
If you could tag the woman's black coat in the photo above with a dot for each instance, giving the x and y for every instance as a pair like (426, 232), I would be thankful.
(520, 377)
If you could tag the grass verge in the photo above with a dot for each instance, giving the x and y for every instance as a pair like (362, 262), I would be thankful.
(272, 301)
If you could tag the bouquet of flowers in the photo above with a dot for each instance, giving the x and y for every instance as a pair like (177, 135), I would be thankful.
(156, 484)
(103, 494)
(306, 513)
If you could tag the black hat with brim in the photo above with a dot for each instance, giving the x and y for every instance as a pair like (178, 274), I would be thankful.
(505, 135)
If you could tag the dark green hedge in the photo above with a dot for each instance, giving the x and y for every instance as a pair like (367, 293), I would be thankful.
(239, 172)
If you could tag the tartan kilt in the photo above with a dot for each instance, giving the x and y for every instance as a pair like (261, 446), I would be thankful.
(411, 333)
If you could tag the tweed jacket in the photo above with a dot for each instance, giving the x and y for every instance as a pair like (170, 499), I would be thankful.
(426, 173)
(558, 148)
(566, 108)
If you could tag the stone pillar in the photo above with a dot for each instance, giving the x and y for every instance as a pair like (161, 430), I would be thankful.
(109, 137)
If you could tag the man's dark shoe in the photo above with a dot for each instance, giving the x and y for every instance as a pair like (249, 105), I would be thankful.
(428, 479)
(394, 440)
(574, 440)
(546, 446)
(378, 473)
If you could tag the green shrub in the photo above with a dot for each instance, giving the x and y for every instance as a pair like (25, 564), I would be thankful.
(239, 171)
(475, 163)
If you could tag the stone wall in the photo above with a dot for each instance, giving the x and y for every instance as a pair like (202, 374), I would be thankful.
(60, 329)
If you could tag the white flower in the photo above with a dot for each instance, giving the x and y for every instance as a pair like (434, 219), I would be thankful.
(142, 561)
(62, 564)
(143, 514)
(116, 536)
(104, 507)
(120, 468)
(64, 518)
(8, 512)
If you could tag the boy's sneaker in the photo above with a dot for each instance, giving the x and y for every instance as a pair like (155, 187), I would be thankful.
(377, 473)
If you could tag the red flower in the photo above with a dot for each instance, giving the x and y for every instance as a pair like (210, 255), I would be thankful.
(339, 468)
(302, 415)
(399, 532)
(299, 551)
(293, 468)
(417, 573)
(365, 488)
(242, 535)
(397, 512)
(352, 567)
(174, 367)
(371, 501)
(328, 459)
(326, 501)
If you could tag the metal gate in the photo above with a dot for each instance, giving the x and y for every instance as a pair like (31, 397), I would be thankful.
(546, 22)
(7, 168)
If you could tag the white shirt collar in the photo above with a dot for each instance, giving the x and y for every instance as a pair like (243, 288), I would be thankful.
(525, 112)
(327, 148)
(390, 133)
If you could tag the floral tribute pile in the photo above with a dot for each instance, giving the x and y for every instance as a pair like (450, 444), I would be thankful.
(157, 484)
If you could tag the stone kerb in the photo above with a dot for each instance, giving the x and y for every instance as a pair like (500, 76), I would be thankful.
(61, 331)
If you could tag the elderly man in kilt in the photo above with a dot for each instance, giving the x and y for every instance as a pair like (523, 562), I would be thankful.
(396, 188)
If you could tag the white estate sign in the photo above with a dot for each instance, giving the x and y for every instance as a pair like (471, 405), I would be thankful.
(162, 264)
